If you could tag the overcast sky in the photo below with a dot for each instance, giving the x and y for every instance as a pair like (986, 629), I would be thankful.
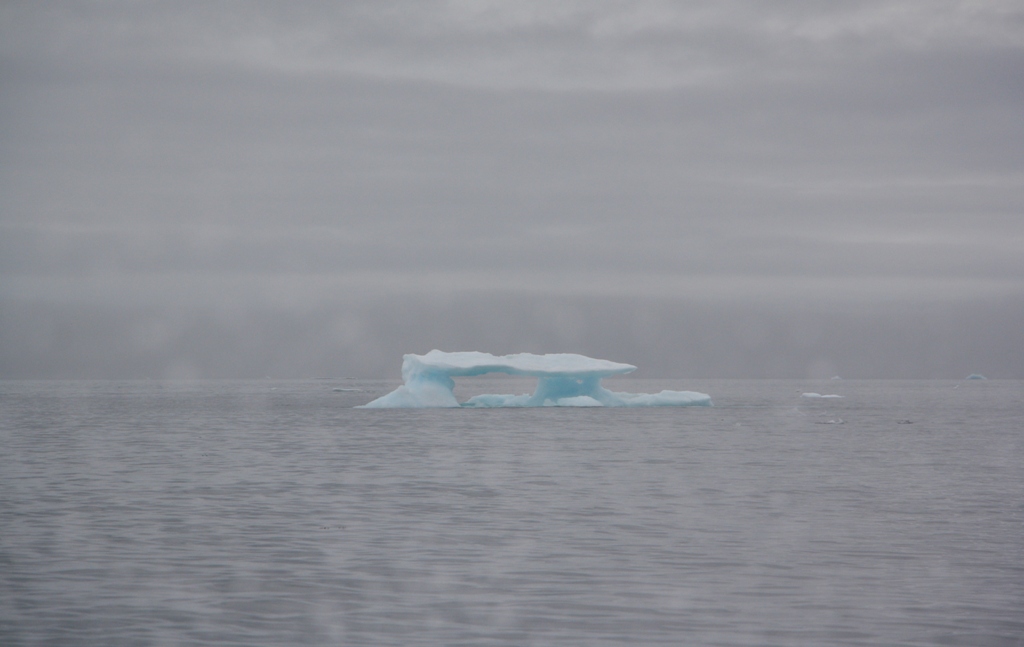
(726, 189)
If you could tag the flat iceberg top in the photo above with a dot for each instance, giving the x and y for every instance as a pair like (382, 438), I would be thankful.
(467, 363)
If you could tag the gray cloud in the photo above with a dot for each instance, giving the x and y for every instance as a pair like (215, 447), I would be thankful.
(365, 162)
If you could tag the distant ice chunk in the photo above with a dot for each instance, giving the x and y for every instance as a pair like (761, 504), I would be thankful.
(976, 376)
(564, 380)
(818, 395)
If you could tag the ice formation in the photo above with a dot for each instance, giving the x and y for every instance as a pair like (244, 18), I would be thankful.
(563, 380)
(818, 395)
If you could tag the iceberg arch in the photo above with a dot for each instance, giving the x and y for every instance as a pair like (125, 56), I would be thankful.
(563, 380)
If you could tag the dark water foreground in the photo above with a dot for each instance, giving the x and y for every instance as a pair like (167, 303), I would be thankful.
(271, 513)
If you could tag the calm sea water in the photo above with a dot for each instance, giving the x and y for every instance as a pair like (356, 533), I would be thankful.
(272, 513)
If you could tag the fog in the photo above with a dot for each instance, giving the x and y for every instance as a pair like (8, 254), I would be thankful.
(755, 189)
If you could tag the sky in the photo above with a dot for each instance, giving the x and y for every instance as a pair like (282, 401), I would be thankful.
(764, 188)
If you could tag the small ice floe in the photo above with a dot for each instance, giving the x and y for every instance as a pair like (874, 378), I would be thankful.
(818, 395)
(338, 390)
(836, 377)
(904, 422)
(976, 376)
(837, 421)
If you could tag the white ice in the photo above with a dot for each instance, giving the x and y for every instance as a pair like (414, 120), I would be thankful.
(818, 395)
(563, 380)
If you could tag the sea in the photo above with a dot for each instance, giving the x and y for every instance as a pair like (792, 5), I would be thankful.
(272, 512)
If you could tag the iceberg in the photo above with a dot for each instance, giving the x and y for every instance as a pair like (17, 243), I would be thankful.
(818, 395)
(563, 380)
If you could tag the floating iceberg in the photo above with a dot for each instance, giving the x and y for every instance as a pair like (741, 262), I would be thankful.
(563, 380)
(976, 376)
(818, 395)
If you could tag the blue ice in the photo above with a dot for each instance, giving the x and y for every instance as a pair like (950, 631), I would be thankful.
(563, 380)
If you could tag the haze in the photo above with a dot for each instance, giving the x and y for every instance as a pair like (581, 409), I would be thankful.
(733, 189)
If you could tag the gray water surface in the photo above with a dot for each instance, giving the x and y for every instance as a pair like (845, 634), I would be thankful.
(272, 513)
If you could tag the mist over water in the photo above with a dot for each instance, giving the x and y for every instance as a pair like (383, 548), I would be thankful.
(270, 512)
(328, 333)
